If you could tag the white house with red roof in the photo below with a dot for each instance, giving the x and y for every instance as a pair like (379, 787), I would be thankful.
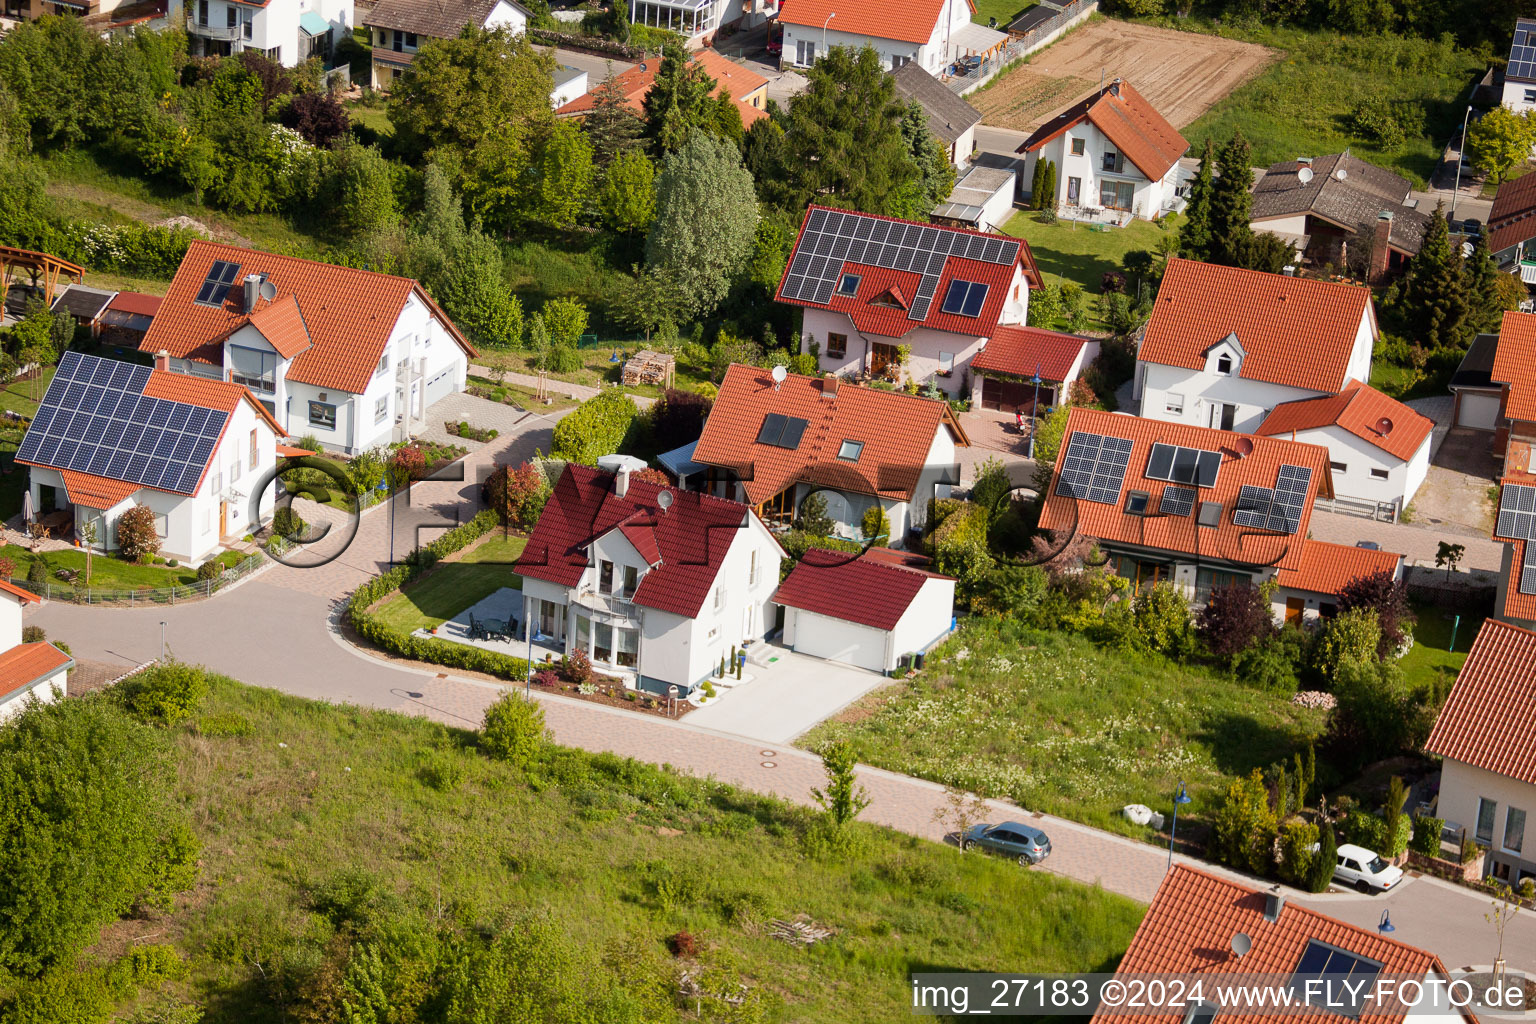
(353, 357)
(1378, 447)
(286, 31)
(1113, 152)
(866, 610)
(28, 672)
(929, 33)
(1308, 587)
(1224, 346)
(1486, 738)
(775, 443)
(656, 584)
(109, 435)
(869, 285)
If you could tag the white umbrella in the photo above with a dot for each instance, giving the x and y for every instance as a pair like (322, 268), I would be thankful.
(26, 511)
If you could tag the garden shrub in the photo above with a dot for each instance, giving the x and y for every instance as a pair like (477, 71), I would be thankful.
(1269, 665)
(37, 573)
(62, 996)
(7, 568)
(147, 967)
(513, 730)
(1387, 596)
(170, 693)
(564, 359)
(519, 495)
(1161, 616)
(678, 417)
(1364, 829)
(1296, 853)
(1426, 835)
(1235, 618)
(812, 519)
(596, 428)
(33, 634)
(1243, 829)
(213, 569)
(1321, 873)
(309, 442)
(876, 526)
(1350, 636)
(136, 536)
(940, 509)
(1377, 715)
(576, 666)
(960, 547)
(443, 770)
(1015, 590)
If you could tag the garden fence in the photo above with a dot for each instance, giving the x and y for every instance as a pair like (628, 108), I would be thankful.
(58, 590)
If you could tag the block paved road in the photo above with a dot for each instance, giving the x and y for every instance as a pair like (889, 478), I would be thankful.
(278, 629)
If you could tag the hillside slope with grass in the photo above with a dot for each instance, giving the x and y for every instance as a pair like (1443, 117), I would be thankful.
(353, 856)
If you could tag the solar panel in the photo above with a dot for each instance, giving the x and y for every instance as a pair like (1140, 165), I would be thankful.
(965, 298)
(216, 286)
(793, 430)
(1252, 508)
(1346, 977)
(1517, 512)
(1290, 498)
(1177, 501)
(1094, 468)
(1528, 571)
(1178, 464)
(772, 429)
(974, 301)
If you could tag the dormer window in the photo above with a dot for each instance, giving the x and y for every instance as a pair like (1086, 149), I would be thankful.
(849, 285)
(1224, 365)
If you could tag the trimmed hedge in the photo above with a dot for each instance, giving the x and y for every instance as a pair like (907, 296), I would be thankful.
(429, 649)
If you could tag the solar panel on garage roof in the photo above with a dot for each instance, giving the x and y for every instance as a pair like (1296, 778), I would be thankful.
(95, 419)
(834, 237)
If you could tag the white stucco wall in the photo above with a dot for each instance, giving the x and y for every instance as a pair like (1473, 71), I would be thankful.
(276, 25)
(10, 621)
(1149, 197)
(926, 619)
(1519, 96)
(932, 55)
(1462, 785)
(1360, 458)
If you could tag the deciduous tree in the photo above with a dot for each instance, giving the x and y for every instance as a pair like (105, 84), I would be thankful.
(1500, 141)
(628, 196)
(706, 219)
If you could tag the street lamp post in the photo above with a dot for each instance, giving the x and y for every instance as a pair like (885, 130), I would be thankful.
(1385, 925)
(1461, 155)
(1181, 797)
(162, 640)
(1034, 410)
(824, 35)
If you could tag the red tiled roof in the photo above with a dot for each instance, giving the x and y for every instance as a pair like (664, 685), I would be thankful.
(96, 492)
(1514, 363)
(282, 324)
(895, 556)
(27, 597)
(862, 590)
(643, 537)
(1517, 605)
(691, 537)
(1359, 409)
(1295, 331)
(1181, 534)
(1511, 233)
(1019, 351)
(291, 452)
(1515, 198)
(892, 322)
(1188, 931)
(25, 664)
(1489, 720)
(897, 431)
(731, 79)
(1138, 131)
(1326, 568)
(135, 303)
(349, 313)
(911, 21)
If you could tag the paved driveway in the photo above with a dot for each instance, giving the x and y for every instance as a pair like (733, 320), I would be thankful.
(785, 697)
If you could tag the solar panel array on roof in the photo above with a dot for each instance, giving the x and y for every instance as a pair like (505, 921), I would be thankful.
(220, 276)
(1094, 467)
(965, 297)
(834, 237)
(1345, 977)
(1181, 465)
(1528, 571)
(1517, 512)
(781, 431)
(1278, 508)
(1177, 501)
(96, 419)
(1522, 55)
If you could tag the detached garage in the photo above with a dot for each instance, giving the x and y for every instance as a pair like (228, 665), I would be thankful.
(864, 611)
(1479, 401)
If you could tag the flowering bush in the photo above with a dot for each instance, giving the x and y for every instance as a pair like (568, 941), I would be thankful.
(547, 677)
(136, 533)
(518, 495)
(577, 666)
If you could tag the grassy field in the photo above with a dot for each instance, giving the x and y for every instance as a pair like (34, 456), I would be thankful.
(1431, 656)
(524, 397)
(1003, 10)
(109, 571)
(1302, 105)
(1054, 723)
(1069, 251)
(600, 369)
(454, 586)
(331, 829)
(18, 397)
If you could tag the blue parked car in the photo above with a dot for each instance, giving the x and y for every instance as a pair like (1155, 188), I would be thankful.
(1011, 839)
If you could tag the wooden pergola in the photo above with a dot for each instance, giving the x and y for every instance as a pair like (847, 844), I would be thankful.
(43, 268)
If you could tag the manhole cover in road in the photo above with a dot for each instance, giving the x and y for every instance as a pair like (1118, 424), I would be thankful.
(769, 753)
(769, 764)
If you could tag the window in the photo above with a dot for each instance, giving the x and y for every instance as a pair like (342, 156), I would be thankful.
(381, 409)
(850, 450)
(631, 580)
(605, 577)
(946, 364)
(1207, 580)
(1210, 514)
(1486, 809)
(255, 451)
(1338, 467)
(202, 13)
(1117, 195)
(805, 52)
(216, 485)
(208, 528)
(602, 642)
(235, 472)
(162, 524)
(1530, 95)
(1173, 405)
(965, 298)
(254, 368)
(1136, 503)
(383, 366)
(628, 646)
(1514, 829)
(322, 414)
(897, 61)
(231, 17)
(245, 29)
(1224, 364)
(1078, 146)
(719, 598)
(837, 345)
(410, 40)
(583, 633)
(752, 569)
(1112, 162)
(1201, 1013)
(1074, 190)
(1380, 474)
(849, 284)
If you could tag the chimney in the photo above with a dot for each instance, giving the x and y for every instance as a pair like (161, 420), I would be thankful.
(1274, 902)
(621, 482)
(163, 361)
(1304, 161)
(252, 291)
(1380, 254)
(829, 385)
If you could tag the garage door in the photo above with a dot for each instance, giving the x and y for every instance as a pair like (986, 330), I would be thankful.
(1480, 412)
(821, 636)
(1013, 395)
(440, 386)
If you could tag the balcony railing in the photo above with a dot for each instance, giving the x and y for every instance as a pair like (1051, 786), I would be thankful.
(228, 33)
(612, 605)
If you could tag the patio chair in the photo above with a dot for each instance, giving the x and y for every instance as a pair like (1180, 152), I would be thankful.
(495, 629)
(477, 630)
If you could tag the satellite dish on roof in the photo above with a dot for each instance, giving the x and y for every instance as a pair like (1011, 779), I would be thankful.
(664, 500)
(1341, 174)
(1243, 446)
(779, 373)
(1466, 250)
(1304, 174)
(1241, 944)
(1384, 426)
(268, 290)
(642, 65)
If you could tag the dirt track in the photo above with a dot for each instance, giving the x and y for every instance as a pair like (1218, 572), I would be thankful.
(1183, 74)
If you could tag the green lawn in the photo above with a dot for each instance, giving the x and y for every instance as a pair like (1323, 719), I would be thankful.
(332, 833)
(589, 267)
(524, 397)
(110, 571)
(1431, 656)
(454, 586)
(1061, 726)
(17, 396)
(1069, 251)
(600, 368)
(1302, 105)
(1005, 11)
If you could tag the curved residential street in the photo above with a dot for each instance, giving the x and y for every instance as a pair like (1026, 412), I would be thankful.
(278, 630)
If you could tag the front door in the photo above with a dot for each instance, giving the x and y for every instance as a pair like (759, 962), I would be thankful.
(223, 517)
(47, 499)
(881, 356)
(1223, 415)
(1294, 606)
(1074, 189)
